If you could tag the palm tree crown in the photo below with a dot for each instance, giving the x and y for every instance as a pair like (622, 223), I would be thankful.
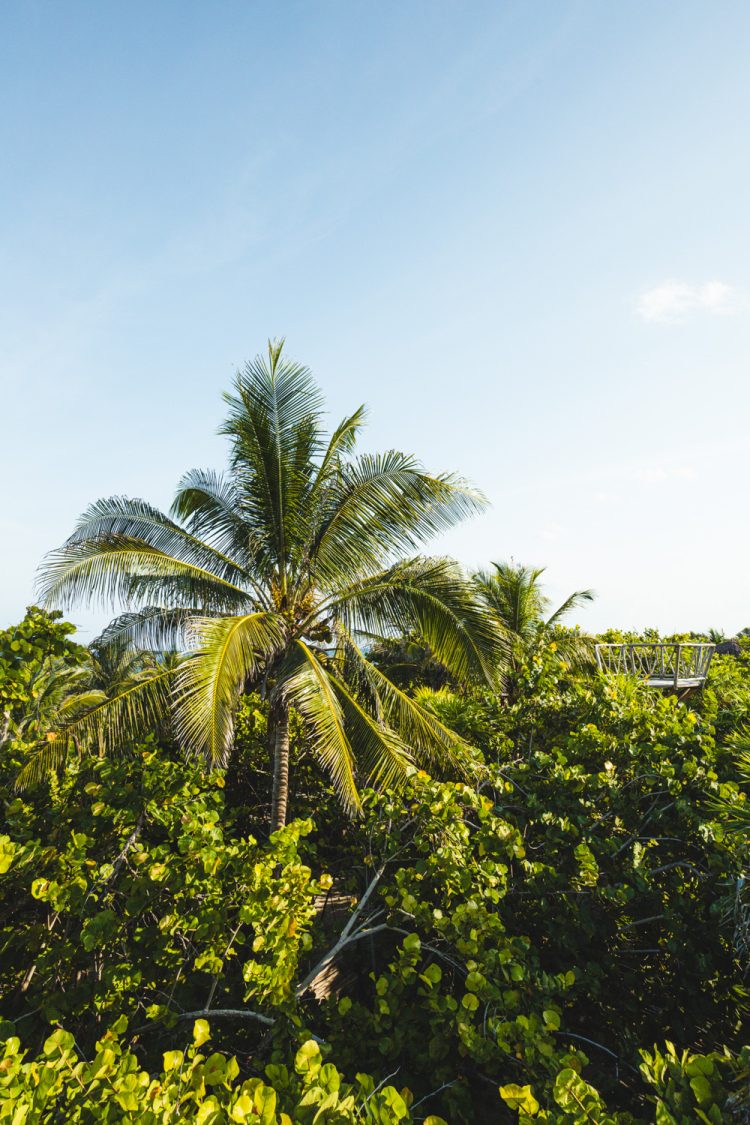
(515, 596)
(273, 574)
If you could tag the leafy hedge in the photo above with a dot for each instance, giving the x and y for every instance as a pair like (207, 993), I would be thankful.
(192, 1086)
(506, 946)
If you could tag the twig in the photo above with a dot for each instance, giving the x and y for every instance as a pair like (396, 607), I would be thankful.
(434, 1093)
(643, 921)
(215, 981)
(228, 1013)
(379, 1086)
(126, 847)
(678, 863)
(600, 1046)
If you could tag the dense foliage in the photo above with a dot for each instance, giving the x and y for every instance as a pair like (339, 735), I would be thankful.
(554, 937)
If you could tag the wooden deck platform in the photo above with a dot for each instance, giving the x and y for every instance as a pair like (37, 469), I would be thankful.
(671, 666)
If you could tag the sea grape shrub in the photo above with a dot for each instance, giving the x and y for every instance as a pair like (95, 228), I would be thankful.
(711, 1088)
(460, 1003)
(725, 702)
(206, 1088)
(629, 875)
(192, 1085)
(528, 929)
(685, 1088)
(139, 900)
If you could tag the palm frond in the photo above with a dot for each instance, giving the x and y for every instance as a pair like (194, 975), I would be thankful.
(137, 709)
(210, 506)
(342, 441)
(49, 756)
(574, 648)
(152, 628)
(274, 423)
(433, 599)
(735, 813)
(121, 570)
(429, 741)
(113, 724)
(384, 505)
(74, 706)
(379, 750)
(311, 691)
(228, 654)
(133, 519)
(576, 599)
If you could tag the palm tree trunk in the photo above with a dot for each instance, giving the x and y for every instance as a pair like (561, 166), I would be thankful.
(279, 719)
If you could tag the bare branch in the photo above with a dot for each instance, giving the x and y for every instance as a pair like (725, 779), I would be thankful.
(346, 936)
(228, 1013)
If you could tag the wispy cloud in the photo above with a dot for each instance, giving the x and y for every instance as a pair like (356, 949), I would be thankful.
(673, 301)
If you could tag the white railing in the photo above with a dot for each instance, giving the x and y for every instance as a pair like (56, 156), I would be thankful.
(674, 665)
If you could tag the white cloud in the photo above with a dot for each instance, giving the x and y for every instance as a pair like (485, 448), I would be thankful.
(675, 300)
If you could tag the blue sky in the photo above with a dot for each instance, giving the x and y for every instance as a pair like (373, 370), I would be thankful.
(518, 231)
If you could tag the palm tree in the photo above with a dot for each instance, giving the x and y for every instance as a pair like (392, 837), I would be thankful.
(270, 575)
(71, 700)
(515, 596)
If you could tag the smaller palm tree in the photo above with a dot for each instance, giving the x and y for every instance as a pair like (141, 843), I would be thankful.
(71, 701)
(515, 596)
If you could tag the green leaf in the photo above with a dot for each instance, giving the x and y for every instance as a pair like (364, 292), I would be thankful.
(7, 852)
(307, 1060)
(520, 1098)
(172, 1060)
(214, 1069)
(701, 1088)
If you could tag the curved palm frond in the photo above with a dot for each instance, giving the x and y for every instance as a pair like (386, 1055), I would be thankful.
(274, 424)
(575, 648)
(735, 813)
(152, 628)
(210, 506)
(122, 517)
(342, 441)
(119, 569)
(431, 597)
(384, 505)
(311, 691)
(113, 722)
(576, 599)
(382, 753)
(74, 706)
(228, 654)
(324, 483)
(136, 709)
(428, 740)
(49, 757)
